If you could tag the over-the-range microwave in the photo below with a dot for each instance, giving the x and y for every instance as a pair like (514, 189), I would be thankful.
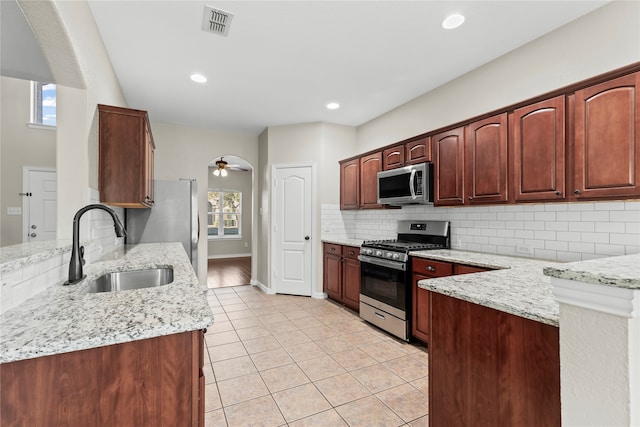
(409, 185)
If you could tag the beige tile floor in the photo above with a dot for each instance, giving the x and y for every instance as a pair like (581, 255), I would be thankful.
(281, 360)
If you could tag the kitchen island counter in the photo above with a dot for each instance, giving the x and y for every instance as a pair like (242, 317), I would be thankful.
(516, 286)
(63, 319)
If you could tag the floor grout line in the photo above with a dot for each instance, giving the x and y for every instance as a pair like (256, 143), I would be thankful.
(326, 315)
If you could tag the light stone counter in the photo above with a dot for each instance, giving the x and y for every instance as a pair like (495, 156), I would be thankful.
(61, 318)
(16, 256)
(518, 287)
(344, 242)
(620, 271)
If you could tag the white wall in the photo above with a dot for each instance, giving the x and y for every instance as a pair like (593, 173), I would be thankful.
(603, 40)
(235, 181)
(185, 152)
(320, 143)
(20, 145)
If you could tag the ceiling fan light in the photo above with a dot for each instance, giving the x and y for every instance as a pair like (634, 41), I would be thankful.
(216, 172)
(223, 172)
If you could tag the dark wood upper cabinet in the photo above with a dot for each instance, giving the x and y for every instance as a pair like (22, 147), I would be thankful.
(418, 151)
(393, 157)
(125, 166)
(606, 147)
(538, 147)
(448, 159)
(350, 184)
(486, 170)
(369, 167)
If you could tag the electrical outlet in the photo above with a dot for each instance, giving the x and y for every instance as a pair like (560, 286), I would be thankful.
(14, 211)
(524, 249)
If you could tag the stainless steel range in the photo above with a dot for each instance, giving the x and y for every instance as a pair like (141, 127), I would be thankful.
(385, 281)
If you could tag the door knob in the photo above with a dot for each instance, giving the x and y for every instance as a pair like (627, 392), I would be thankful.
(34, 226)
(306, 237)
(32, 234)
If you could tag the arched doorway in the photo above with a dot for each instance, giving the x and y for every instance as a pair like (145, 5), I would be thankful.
(230, 209)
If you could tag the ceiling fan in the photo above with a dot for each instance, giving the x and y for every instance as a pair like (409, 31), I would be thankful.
(222, 167)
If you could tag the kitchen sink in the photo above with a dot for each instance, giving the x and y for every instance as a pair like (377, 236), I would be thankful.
(135, 279)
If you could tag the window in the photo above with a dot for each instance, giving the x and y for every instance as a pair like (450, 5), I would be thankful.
(43, 103)
(224, 214)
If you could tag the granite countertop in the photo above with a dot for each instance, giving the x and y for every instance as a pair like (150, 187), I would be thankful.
(518, 286)
(61, 318)
(620, 271)
(343, 241)
(15, 256)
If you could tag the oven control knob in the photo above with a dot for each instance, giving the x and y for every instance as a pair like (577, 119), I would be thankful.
(389, 255)
(379, 253)
(396, 256)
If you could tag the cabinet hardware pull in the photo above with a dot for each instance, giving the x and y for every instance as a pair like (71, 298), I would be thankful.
(430, 268)
(470, 198)
(558, 193)
(333, 249)
(351, 252)
(576, 191)
(378, 315)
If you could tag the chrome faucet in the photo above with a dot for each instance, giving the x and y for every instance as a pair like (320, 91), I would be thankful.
(77, 251)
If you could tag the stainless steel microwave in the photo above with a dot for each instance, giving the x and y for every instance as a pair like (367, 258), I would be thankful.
(409, 185)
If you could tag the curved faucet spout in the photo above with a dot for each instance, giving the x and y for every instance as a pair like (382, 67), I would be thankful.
(77, 251)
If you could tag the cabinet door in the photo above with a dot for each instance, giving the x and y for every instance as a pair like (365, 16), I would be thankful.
(538, 145)
(350, 184)
(369, 167)
(125, 172)
(351, 282)
(607, 124)
(333, 276)
(486, 160)
(418, 151)
(421, 306)
(393, 157)
(448, 158)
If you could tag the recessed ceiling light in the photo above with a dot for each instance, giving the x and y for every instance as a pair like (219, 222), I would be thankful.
(198, 78)
(452, 21)
(333, 105)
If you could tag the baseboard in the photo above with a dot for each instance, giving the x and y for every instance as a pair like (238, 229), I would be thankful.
(319, 295)
(262, 287)
(229, 256)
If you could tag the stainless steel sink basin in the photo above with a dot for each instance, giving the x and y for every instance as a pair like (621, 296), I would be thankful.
(135, 279)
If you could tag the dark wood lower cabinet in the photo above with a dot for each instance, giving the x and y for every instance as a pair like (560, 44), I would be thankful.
(151, 382)
(489, 368)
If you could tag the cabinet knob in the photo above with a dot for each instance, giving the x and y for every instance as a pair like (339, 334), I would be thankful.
(576, 191)
(351, 252)
(430, 268)
(470, 198)
(558, 193)
(333, 249)
(460, 199)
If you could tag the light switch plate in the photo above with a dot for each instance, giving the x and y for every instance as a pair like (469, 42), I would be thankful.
(14, 211)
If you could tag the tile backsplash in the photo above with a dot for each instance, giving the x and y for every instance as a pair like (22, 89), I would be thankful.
(96, 228)
(555, 231)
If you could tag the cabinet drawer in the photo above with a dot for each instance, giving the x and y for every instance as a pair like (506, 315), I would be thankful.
(468, 269)
(330, 248)
(431, 268)
(351, 252)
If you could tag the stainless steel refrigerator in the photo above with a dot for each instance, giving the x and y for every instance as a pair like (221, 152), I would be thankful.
(173, 217)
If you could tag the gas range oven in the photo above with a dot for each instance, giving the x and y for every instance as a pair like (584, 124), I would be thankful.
(385, 278)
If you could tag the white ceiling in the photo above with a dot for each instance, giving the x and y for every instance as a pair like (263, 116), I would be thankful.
(284, 60)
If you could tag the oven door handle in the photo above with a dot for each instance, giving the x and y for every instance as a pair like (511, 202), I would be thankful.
(395, 265)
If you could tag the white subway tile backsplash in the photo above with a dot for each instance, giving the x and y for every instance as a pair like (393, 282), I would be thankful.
(560, 231)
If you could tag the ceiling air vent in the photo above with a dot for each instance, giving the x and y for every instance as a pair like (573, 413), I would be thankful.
(216, 21)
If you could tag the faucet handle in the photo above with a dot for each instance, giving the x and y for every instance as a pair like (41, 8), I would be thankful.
(82, 255)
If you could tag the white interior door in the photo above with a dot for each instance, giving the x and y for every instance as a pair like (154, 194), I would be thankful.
(39, 207)
(292, 226)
